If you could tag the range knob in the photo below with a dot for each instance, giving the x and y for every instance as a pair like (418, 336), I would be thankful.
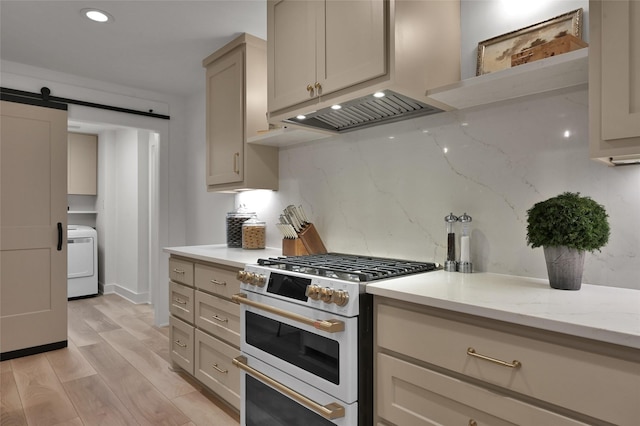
(325, 294)
(313, 292)
(258, 279)
(340, 297)
(242, 276)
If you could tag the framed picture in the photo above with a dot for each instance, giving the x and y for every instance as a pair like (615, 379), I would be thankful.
(495, 54)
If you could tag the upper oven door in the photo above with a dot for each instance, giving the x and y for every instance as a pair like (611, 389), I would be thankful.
(291, 338)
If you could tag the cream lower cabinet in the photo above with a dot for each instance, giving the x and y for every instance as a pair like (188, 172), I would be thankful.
(436, 367)
(236, 108)
(205, 324)
(614, 80)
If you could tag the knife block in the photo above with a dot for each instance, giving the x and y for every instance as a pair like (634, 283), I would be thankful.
(311, 240)
(293, 247)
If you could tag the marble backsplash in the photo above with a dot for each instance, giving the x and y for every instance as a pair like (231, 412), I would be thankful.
(385, 191)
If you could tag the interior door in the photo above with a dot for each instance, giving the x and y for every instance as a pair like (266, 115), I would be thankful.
(33, 220)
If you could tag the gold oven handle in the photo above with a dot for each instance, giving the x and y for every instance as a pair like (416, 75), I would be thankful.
(330, 326)
(330, 411)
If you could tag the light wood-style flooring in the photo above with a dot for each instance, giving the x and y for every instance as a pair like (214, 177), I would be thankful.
(115, 371)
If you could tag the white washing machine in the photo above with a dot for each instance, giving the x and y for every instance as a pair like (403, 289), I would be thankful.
(82, 261)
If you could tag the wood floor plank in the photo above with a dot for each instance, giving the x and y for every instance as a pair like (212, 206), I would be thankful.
(11, 412)
(147, 405)
(43, 398)
(147, 362)
(79, 332)
(73, 422)
(202, 411)
(69, 364)
(97, 404)
(130, 322)
(91, 315)
(5, 366)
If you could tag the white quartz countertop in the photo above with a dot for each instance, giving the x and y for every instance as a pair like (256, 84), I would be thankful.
(607, 314)
(221, 254)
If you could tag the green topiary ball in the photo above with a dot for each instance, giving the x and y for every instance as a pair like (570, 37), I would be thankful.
(568, 220)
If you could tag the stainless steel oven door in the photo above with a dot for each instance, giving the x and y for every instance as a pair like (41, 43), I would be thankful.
(273, 398)
(319, 348)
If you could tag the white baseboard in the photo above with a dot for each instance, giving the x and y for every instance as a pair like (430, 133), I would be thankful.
(137, 298)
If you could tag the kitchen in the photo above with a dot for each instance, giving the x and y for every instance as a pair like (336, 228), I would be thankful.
(385, 190)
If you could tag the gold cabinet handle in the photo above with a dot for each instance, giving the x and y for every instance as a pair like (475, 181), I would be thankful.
(219, 318)
(318, 86)
(236, 163)
(180, 301)
(330, 326)
(330, 411)
(473, 422)
(216, 282)
(215, 367)
(310, 89)
(514, 364)
(178, 271)
(177, 342)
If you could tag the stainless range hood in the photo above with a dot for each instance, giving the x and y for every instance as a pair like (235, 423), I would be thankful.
(379, 108)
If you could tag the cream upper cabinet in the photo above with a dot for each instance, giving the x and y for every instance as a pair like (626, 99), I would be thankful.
(318, 47)
(614, 79)
(326, 52)
(82, 157)
(236, 108)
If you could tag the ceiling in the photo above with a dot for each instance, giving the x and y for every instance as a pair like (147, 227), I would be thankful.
(151, 45)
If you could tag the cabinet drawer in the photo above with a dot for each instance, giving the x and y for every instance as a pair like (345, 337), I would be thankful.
(219, 317)
(411, 395)
(578, 380)
(181, 343)
(217, 280)
(181, 301)
(181, 271)
(214, 367)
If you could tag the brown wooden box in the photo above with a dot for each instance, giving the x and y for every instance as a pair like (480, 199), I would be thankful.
(293, 247)
(564, 44)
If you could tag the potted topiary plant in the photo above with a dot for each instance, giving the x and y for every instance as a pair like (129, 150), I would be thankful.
(566, 226)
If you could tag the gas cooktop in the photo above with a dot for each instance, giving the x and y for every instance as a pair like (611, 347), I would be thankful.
(348, 267)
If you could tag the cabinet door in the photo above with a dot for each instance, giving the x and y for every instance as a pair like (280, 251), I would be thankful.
(351, 43)
(225, 119)
(614, 78)
(33, 256)
(291, 51)
(82, 155)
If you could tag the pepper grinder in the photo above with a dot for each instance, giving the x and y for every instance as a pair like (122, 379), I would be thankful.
(465, 264)
(450, 263)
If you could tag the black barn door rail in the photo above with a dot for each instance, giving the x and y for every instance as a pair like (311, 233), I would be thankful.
(44, 98)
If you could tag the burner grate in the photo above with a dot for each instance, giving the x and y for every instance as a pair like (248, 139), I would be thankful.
(349, 267)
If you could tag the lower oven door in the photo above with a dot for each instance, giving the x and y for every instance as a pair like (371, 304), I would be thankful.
(273, 398)
(291, 338)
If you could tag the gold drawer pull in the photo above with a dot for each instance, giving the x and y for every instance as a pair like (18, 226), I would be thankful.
(178, 271)
(180, 301)
(216, 282)
(215, 367)
(330, 411)
(217, 318)
(182, 345)
(514, 364)
(236, 163)
(473, 422)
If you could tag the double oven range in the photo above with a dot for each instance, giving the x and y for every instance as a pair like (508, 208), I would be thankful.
(307, 338)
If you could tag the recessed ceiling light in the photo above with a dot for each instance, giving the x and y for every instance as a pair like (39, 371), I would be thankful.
(96, 15)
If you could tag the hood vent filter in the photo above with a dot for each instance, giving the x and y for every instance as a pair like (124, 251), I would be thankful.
(366, 111)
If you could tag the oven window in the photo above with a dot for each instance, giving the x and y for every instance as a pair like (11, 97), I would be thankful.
(311, 352)
(268, 407)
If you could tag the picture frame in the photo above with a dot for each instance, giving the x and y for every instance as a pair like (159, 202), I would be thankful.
(495, 53)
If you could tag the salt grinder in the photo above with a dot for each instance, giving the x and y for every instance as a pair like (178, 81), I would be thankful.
(465, 264)
(450, 263)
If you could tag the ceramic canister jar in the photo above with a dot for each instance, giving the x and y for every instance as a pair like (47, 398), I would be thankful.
(235, 219)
